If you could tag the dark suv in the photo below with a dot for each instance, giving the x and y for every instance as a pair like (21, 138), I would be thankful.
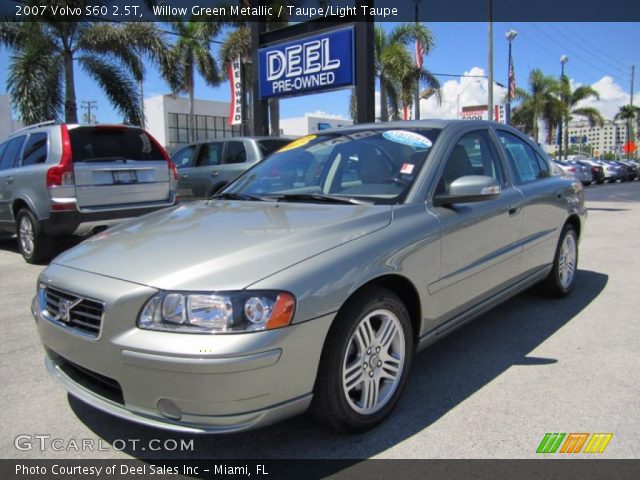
(59, 179)
(206, 167)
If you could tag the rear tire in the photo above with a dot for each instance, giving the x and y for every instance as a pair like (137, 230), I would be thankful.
(365, 362)
(562, 277)
(33, 244)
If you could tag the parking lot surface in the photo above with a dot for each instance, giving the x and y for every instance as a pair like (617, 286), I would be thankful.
(490, 390)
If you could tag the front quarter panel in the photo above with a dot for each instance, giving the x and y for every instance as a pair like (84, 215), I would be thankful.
(408, 247)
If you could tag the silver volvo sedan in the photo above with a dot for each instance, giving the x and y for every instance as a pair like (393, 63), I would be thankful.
(311, 280)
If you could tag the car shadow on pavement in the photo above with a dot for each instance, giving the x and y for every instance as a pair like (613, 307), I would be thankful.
(442, 377)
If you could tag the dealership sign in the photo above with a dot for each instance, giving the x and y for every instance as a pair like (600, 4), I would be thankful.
(310, 64)
(235, 81)
(479, 112)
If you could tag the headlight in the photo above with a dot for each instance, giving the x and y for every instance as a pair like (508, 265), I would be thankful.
(217, 312)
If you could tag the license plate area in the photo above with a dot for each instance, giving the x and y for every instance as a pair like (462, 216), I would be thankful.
(124, 176)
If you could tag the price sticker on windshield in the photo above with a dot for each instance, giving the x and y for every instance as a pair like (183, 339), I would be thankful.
(406, 137)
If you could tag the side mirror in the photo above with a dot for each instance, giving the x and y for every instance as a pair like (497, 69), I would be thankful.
(470, 188)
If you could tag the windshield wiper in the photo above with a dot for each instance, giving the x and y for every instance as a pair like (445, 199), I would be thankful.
(237, 196)
(318, 197)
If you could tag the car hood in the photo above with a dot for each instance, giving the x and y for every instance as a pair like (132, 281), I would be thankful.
(221, 245)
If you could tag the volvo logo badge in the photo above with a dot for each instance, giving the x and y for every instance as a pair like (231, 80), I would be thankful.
(65, 307)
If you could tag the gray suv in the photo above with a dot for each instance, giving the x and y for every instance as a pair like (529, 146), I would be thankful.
(206, 167)
(58, 179)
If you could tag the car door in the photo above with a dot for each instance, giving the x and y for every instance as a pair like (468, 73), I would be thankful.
(543, 206)
(9, 155)
(480, 250)
(199, 179)
(183, 159)
(237, 159)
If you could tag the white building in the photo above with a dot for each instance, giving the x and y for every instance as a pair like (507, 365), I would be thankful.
(310, 123)
(7, 123)
(166, 118)
(606, 139)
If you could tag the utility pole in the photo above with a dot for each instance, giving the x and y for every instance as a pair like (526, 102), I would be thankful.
(87, 106)
(630, 125)
(490, 68)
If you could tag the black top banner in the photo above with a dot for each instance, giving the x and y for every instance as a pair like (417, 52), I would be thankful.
(242, 11)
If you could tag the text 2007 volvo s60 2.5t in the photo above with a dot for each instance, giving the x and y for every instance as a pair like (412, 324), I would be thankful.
(311, 280)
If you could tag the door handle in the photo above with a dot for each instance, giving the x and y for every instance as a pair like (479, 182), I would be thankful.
(184, 175)
(514, 210)
(215, 174)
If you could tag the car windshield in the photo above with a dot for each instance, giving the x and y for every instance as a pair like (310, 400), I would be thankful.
(370, 166)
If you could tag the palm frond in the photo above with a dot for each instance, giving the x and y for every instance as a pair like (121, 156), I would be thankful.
(117, 86)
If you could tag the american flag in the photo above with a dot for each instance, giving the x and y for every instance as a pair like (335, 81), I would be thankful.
(419, 54)
(512, 79)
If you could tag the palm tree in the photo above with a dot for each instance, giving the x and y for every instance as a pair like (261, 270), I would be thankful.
(45, 54)
(569, 100)
(628, 113)
(396, 70)
(193, 51)
(535, 102)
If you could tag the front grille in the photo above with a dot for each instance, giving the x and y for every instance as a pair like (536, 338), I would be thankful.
(73, 311)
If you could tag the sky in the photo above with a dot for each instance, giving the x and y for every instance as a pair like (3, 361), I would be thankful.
(600, 55)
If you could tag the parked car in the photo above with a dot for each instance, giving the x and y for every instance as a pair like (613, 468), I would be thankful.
(612, 171)
(597, 171)
(311, 280)
(576, 170)
(630, 168)
(206, 167)
(59, 179)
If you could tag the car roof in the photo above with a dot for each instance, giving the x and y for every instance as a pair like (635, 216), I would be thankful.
(427, 123)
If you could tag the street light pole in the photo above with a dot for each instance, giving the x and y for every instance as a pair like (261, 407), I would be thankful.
(510, 35)
(490, 66)
(416, 108)
(563, 59)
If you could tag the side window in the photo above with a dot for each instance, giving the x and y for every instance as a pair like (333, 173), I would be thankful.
(236, 153)
(473, 154)
(35, 151)
(545, 169)
(182, 158)
(210, 154)
(10, 154)
(527, 165)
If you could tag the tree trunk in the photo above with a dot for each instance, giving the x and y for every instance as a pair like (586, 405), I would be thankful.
(384, 108)
(70, 108)
(566, 136)
(191, 124)
(274, 117)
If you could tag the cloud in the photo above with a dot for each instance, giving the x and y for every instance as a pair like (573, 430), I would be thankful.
(321, 113)
(612, 97)
(468, 91)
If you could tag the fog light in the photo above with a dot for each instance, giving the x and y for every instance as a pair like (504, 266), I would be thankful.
(169, 409)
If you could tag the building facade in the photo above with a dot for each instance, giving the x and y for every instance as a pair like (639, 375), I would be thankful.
(597, 140)
(310, 123)
(167, 119)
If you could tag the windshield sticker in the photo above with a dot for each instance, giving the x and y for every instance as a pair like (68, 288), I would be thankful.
(297, 143)
(407, 168)
(407, 138)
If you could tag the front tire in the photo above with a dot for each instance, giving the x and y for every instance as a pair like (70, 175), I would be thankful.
(562, 277)
(33, 244)
(365, 362)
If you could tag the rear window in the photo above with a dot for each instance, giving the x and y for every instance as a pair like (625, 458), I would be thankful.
(110, 144)
(267, 147)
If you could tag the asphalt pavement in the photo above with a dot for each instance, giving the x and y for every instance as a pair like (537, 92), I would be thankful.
(490, 390)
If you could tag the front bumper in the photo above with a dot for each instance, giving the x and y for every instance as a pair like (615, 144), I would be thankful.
(181, 382)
